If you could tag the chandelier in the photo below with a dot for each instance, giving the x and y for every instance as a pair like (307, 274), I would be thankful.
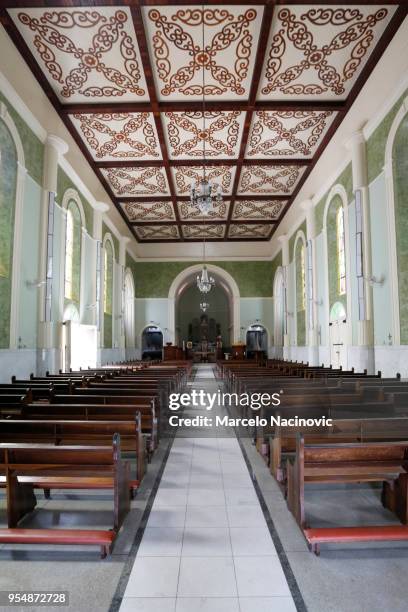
(204, 306)
(204, 194)
(204, 282)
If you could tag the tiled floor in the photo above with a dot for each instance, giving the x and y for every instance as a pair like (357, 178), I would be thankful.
(206, 547)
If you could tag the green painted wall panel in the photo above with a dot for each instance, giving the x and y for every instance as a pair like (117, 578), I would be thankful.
(106, 230)
(64, 183)
(153, 279)
(32, 145)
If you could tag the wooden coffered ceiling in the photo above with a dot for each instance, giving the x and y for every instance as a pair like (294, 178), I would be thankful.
(126, 78)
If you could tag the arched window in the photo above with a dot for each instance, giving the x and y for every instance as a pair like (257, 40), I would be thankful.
(73, 231)
(129, 311)
(302, 278)
(107, 295)
(8, 186)
(341, 255)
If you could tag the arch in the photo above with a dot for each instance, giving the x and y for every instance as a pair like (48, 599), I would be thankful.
(278, 307)
(16, 232)
(339, 191)
(69, 195)
(72, 245)
(108, 306)
(129, 309)
(155, 350)
(71, 313)
(190, 272)
(391, 225)
(337, 312)
(301, 289)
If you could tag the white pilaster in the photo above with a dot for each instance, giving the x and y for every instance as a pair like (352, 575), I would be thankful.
(284, 240)
(312, 332)
(99, 209)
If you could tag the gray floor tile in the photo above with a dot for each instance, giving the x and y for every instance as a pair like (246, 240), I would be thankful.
(260, 576)
(153, 577)
(207, 577)
(200, 542)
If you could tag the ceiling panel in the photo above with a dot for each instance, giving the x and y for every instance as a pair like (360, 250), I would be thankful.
(175, 35)
(269, 180)
(151, 181)
(118, 136)
(218, 136)
(188, 212)
(317, 52)
(286, 134)
(185, 176)
(157, 232)
(85, 53)
(258, 209)
(242, 230)
(200, 231)
(148, 211)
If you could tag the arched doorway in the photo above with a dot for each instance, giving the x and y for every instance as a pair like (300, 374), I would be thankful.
(152, 343)
(188, 277)
(203, 329)
(338, 336)
(79, 342)
(256, 341)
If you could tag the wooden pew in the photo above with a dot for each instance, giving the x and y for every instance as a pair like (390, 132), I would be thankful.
(384, 462)
(30, 466)
(68, 432)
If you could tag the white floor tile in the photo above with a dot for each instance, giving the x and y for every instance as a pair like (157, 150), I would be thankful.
(148, 604)
(170, 497)
(245, 516)
(206, 497)
(153, 577)
(267, 604)
(207, 604)
(240, 497)
(161, 542)
(199, 542)
(206, 516)
(207, 577)
(251, 541)
(260, 577)
(169, 516)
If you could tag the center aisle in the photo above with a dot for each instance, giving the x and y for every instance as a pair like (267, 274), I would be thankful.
(206, 546)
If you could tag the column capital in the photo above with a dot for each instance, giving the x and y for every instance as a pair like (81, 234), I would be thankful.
(57, 143)
(307, 205)
(283, 238)
(101, 206)
(355, 139)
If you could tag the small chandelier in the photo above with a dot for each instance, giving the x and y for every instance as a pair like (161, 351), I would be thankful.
(204, 306)
(204, 194)
(205, 282)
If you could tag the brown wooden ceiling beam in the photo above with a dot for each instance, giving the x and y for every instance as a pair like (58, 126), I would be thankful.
(207, 221)
(211, 105)
(199, 163)
(254, 198)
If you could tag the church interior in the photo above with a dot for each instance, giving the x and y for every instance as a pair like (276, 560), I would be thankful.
(197, 196)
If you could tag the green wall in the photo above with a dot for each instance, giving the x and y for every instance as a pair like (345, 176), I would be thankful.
(153, 279)
(8, 184)
(64, 183)
(400, 157)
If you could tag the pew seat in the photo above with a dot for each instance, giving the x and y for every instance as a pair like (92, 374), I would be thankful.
(85, 537)
(339, 535)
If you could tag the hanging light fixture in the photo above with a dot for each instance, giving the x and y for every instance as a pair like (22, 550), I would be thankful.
(204, 306)
(204, 194)
(204, 282)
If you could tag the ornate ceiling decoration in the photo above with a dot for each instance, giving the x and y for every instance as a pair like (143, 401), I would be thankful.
(270, 180)
(141, 181)
(186, 137)
(188, 212)
(319, 51)
(115, 136)
(85, 53)
(285, 134)
(157, 232)
(177, 56)
(254, 209)
(149, 211)
(242, 230)
(198, 232)
(127, 81)
(218, 175)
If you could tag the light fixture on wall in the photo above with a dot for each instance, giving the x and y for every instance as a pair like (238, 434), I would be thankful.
(204, 306)
(204, 194)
